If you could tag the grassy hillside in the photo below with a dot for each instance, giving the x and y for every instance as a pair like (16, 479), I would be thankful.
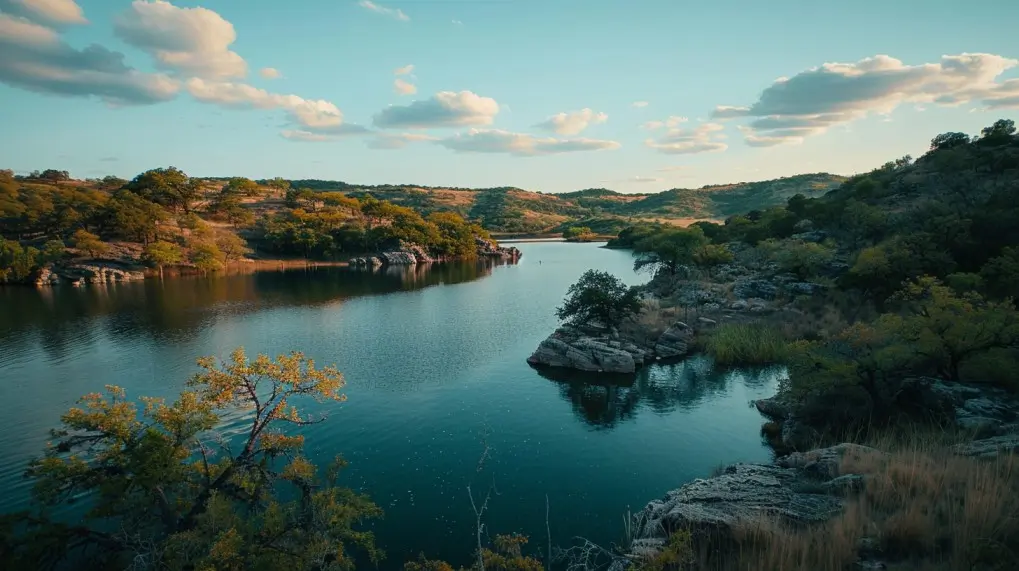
(514, 210)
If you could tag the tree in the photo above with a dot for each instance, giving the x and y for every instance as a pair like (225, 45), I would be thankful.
(89, 242)
(712, 255)
(280, 185)
(805, 259)
(999, 133)
(242, 186)
(599, 296)
(170, 187)
(206, 257)
(949, 141)
(54, 175)
(162, 253)
(111, 183)
(668, 249)
(233, 246)
(946, 329)
(133, 217)
(1001, 273)
(578, 234)
(16, 262)
(157, 490)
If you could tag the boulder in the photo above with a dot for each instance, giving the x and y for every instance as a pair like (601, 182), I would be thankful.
(586, 354)
(46, 277)
(675, 341)
(990, 447)
(815, 236)
(398, 258)
(804, 288)
(741, 493)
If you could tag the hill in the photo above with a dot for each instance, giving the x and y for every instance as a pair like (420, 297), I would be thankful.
(515, 210)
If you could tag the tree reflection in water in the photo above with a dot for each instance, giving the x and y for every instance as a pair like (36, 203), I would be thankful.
(176, 308)
(604, 401)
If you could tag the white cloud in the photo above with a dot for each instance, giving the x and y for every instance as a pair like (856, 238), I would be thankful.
(444, 109)
(389, 141)
(672, 168)
(403, 87)
(270, 73)
(639, 104)
(457, 23)
(194, 41)
(642, 179)
(520, 144)
(33, 57)
(703, 138)
(672, 122)
(315, 115)
(404, 70)
(52, 12)
(304, 136)
(813, 101)
(377, 8)
(573, 122)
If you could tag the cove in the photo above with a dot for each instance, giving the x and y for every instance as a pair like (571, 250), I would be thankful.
(439, 393)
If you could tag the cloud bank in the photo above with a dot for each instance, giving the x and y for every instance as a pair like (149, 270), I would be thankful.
(811, 102)
(444, 109)
(704, 138)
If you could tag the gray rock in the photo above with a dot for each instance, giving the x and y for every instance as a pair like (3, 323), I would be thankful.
(586, 354)
(399, 258)
(745, 288)
(675, 341)
(823, 462)
(989, 447)
(804, 288)
(706, 321)
(740, 305)
(805, 225)
(772, 408)
(743, 492)
(845, 485)
(815, 236)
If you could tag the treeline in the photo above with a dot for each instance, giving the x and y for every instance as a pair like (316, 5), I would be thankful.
(921, 256)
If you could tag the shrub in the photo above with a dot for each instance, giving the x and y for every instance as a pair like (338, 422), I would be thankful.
(599, 296)
(746, 344)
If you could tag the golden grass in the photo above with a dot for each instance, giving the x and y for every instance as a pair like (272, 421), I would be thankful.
(922, 507)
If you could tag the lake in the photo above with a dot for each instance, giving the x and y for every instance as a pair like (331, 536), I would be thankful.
(434, 360)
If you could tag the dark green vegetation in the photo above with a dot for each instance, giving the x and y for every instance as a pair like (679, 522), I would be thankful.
(157, 487)
(910, 270)
(599, 297)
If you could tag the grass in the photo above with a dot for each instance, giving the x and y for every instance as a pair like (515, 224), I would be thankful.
(922, 507)
(746, 344)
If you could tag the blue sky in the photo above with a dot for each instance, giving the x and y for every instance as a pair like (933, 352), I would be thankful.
(490, 79)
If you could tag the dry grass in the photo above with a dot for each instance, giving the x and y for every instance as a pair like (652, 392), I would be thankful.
(922, 508)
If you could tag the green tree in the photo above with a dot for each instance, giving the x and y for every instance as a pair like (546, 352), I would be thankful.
(232, 246)
(152, 486)
(1001, 132)
(207, 257)
(805, 259)
(710, 256)
(242, 186)
(89, 242)
(53, 250)
(132, 217)
(668, 249)
(949, 141)
(945, 329)
(599, 296)
(160, 254)
(1001, 273)
(578, 234)
(169, 187)
(16, 262)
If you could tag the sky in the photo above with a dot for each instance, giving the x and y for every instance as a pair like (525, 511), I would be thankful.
(547, 95)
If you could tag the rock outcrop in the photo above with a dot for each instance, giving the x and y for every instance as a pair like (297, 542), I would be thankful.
(597, 349)
(408, 254)
(79, 274)
(804, 488)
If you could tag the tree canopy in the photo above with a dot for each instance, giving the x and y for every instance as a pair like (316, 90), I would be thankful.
(599, 297)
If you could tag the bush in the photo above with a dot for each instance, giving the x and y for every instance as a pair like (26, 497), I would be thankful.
(599, 296)
(746, 344)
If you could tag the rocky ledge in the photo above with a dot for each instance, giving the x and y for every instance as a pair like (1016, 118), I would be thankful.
(407, 254)
(990, 414)
(602, 350)
(799, 488)
(85, 273)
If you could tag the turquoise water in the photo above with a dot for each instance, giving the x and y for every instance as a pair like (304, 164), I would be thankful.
(434, 361)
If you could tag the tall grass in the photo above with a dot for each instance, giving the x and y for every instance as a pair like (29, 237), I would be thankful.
(746, 344)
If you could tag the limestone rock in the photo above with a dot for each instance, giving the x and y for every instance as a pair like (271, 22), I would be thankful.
(675, 341)
(745, 288)
(568, 350)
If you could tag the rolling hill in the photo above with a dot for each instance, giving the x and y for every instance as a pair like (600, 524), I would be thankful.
(509, 210)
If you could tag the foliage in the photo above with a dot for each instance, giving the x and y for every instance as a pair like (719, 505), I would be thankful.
(676, 555)
(599, 296)
(162, 253)
(232, 246)
(207, 256)
(16, 262)
(153, 487)
(169, 187)
(711, 255)
(746, 344)
(132, 217)
(578, 234)
(89, 242)
(507, 555)
(668, 250)
(805, 259)
(945, 329)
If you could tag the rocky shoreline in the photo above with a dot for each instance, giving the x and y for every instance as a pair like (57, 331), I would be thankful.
(79, 274)
(408, 254)
(604, 350)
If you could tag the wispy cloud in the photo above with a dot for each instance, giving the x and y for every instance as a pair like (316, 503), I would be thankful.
(639, 104)
(444, 109)
(573, 122)
(457, 23)
(380, 9)
(520, 144)
(404, 70)
(403, 87)
(703, 138)
(270, 73)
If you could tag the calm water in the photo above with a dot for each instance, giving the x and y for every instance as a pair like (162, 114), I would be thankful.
(436, 373)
